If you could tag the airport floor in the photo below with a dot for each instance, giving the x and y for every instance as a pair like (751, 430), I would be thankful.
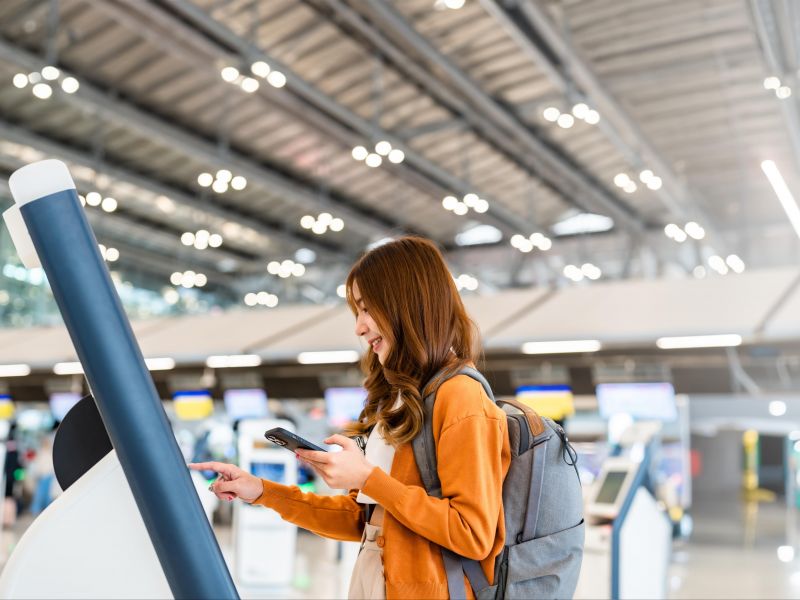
(733, 553)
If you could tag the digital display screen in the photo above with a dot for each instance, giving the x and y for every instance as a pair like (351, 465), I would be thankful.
(192, 405)
(639, 400)
(246, 403)
(61, 402)
(344, 405)
(271, 471)
(551, 401)
(609, 489)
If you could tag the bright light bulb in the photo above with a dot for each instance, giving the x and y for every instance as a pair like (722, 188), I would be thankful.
(471, 199)
(383, 147)
(42, 91)
(630, 187)
(176, 278)
(396, 156)
(337, 224)
(646, 176)
(551, 113)
(783, 92)
(298, 270)
(319, 228)
(93, 199)
(34, 77)
(272, 301)
(112, 254)
(360, 153)
(262, 297)
(250, 299)
(620, 179)
(20, 80)
(260, 68)
(276, 79)
(580, 110)
(481, 206)
(201, 243)
(373, 160)
(50, 73)
(449, 202)
(699, 272)
(238, 183)
(219, 186)
(565, 120)
(525, 246)
(200, 280)
(460, 209)
(454, 4)
(224, 175)
(307, 221)
(187, 239)
(70, 85)
(341, 291)
(545, 244)
(215, 240)
(517, 240)
(325, 218)
(671, 229)
(592, 117)
(718, 264)
(680, 236)
(694, 230)
(229, 74)
(735, 263)
(249, 85)
(205, 179)
(772, 83)
(654, 183)
(273, 267)
(109, 205)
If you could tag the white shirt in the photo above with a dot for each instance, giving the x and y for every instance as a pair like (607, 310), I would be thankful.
(378, 453)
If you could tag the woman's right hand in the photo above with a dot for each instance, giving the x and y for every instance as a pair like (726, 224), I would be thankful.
(233, 481)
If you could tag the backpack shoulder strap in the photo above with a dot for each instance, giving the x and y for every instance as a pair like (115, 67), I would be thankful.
(424, 447)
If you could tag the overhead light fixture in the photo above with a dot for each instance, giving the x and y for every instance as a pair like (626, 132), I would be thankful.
(561, 347)
(68, 368)
(333, 356)
(784, 194)
(480, 234)
(233, 360)
(699, 341)
(466, 282)
(18, 370)
(159, 364)
(576, 224)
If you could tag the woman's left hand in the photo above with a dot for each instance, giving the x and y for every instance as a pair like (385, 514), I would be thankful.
(345, 470)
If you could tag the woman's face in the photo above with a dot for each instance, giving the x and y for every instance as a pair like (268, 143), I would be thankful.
(367, 329)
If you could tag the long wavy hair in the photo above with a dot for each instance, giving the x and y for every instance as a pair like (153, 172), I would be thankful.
(409, 292)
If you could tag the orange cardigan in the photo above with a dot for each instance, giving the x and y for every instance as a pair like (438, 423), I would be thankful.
(473, 454)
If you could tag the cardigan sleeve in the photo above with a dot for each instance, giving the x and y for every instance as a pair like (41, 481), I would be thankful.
(338, 517)
(473, 457)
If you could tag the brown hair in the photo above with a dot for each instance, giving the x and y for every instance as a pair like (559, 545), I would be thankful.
(410, 294)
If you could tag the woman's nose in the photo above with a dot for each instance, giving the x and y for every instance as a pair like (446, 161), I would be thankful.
(361, 327)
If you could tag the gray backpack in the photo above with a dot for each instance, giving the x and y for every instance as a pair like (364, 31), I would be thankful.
(543, 508)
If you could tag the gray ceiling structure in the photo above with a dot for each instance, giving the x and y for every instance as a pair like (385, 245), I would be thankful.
(678, 85)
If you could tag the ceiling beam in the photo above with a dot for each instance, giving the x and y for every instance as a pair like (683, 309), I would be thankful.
(89, 98)
(505, 128)
(59, 149)
(416, 169)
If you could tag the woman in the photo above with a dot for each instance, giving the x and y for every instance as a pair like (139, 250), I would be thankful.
(409, 312)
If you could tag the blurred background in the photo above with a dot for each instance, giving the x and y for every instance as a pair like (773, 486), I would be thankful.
(611, 182)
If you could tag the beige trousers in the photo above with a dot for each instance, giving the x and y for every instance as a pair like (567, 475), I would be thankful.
(367, 581)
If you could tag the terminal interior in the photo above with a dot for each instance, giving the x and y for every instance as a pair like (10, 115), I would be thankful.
(610, 181)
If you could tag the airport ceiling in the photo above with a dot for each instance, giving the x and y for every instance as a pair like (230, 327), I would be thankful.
(679, 88)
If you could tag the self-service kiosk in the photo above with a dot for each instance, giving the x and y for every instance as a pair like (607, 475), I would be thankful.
(628, 534)
(264, 544)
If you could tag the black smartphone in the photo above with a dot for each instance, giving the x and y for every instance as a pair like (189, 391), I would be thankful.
(289, 440)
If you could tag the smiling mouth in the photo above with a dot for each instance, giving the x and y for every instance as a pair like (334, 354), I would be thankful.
(375, 343)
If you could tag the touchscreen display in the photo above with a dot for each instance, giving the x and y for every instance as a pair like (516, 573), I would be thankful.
(609, 490)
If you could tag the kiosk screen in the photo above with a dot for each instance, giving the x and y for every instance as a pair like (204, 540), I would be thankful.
(609, 490)
(246, 404)
(344, 405)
